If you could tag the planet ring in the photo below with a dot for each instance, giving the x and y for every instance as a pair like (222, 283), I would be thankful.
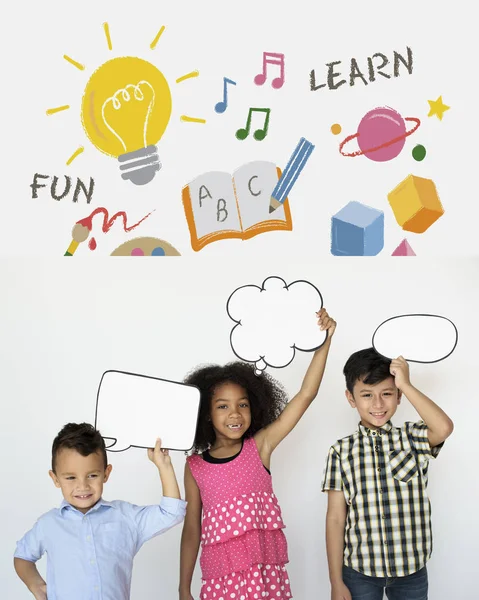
(388, 143)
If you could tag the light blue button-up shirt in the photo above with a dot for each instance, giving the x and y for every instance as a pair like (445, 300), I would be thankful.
(90, 556)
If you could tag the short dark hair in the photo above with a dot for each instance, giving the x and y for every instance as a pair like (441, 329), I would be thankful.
(82, 437)
(266, 395)
(366, 365)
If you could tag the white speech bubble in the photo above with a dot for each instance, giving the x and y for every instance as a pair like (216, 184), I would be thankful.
(275, 320)
(135, 410)
(418, 338)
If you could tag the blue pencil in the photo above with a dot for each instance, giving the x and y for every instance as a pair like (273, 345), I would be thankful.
(294, 167)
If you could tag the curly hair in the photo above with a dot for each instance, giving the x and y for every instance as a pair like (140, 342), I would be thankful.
(266, 395)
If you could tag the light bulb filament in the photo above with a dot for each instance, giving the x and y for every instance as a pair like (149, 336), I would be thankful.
(139, 96)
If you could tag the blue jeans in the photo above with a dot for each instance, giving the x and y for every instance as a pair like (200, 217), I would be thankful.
(363, 587)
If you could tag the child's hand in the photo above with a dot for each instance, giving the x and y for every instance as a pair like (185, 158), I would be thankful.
(400, 370)
(340, 592)
(159, 456)
(325, 322)
(40, 592)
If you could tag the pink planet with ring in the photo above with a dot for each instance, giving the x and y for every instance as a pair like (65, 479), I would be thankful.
(381, 134)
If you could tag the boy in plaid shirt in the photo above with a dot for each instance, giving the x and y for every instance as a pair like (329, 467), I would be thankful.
(378, 524)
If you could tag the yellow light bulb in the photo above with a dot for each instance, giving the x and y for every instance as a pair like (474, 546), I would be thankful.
(126, 108)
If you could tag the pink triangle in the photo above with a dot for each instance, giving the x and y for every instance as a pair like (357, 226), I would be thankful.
(404, 249)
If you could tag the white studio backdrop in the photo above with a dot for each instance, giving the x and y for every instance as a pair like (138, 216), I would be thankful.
(228, 40)
(63, 325)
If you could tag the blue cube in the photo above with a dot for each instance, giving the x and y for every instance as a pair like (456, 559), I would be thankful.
(357, 230)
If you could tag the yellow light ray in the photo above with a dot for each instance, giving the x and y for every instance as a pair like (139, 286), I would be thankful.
(74, 62)
(107, 33)
(157, 37)
(52, 111)
(188, 76)
(75, 154)
(191, 119)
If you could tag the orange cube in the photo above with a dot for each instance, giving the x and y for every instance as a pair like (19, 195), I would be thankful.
(415, 203)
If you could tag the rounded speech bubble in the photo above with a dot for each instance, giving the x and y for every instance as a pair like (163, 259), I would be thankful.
(420, 338)
(133, 410)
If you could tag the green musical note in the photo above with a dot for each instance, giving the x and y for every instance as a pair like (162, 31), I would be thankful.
(259, 134)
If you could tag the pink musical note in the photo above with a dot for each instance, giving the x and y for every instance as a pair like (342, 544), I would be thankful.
(271, 58)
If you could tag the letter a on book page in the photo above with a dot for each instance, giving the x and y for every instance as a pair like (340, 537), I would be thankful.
(220, 206)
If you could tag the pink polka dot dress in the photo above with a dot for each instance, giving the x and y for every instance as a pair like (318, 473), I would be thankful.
(243, 547)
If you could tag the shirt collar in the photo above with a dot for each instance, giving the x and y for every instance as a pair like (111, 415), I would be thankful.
(67, 506)
(386, 428)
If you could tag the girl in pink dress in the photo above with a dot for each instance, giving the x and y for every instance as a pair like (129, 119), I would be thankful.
(232, 510)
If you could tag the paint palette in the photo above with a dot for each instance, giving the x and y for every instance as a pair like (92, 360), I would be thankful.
(145, 246)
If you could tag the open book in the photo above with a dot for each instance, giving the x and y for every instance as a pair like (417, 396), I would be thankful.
(219, 206)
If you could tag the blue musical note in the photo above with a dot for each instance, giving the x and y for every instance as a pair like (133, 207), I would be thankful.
(221, 106)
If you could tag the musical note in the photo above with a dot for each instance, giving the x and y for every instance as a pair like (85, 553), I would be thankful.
(221, 106)
(259, 134)
(271, 58)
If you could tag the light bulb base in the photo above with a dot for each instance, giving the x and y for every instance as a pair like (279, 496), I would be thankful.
(140, 166)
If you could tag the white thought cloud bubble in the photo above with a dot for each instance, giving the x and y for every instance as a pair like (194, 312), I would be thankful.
(419, 338)
(275, 320)
(135, 410)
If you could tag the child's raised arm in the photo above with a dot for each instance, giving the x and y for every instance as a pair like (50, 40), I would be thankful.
(191, 536)
(439, 425)
(268, 438)
(161, 458)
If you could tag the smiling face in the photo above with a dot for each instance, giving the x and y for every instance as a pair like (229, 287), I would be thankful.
(376, 404)
(80, 478)
(230, 411)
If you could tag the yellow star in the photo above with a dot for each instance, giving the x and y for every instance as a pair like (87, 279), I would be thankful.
(438, 108)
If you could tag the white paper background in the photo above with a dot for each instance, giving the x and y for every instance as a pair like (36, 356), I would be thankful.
(227, 40)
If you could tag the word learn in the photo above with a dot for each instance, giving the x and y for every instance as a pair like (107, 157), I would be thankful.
(377, 64)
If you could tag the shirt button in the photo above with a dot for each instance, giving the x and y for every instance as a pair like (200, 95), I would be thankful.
(379, 469)
(96, 588)
(376, 448)
(380, 491)
(384, 516)
(374, 433)
(92, 562)
(88, 538)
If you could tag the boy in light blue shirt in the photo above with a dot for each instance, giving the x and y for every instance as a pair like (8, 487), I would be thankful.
(90, 542)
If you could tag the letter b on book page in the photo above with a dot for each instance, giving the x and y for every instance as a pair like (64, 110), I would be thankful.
(214, 204)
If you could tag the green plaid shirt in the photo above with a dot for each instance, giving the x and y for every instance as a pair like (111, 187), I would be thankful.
(383, 475)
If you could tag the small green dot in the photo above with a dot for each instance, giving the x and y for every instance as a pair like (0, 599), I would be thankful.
(419, 152)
